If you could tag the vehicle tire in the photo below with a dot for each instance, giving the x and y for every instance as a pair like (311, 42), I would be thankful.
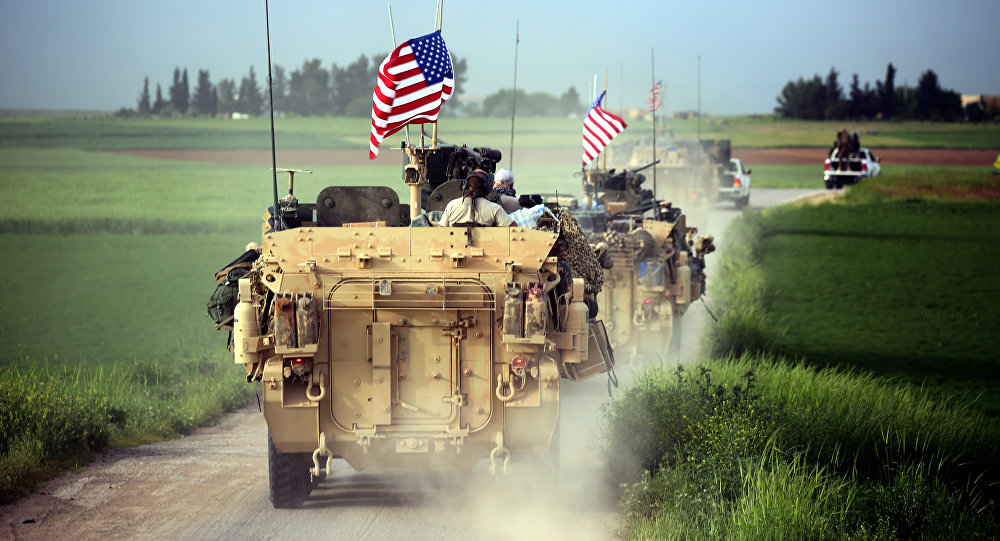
(742, 202)
(289, 482)
(829, 184)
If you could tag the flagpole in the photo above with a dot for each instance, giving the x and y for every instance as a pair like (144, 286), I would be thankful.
(513, 100)
(434, 132)
(652, 80)
(392, 31)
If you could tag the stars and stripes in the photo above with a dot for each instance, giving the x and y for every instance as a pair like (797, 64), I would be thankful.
(599, 128)
(413, 82)
(653, 103)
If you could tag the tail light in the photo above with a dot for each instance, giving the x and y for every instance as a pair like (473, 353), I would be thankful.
(300, 366)
(826, 165)
(864, 166)
(647, 301)
(517, 362)
(736, 182)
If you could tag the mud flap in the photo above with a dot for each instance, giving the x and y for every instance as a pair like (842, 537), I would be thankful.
(600, 356)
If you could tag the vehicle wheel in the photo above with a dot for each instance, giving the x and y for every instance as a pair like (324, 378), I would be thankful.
(743, 202)
(838, 184)
(829, 185)
(289, 482)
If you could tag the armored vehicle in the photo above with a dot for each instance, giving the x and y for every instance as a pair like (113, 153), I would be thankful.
(658, 272)
(399, 347)
(657, 262)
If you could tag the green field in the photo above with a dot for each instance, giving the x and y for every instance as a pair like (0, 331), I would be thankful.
(107, 133)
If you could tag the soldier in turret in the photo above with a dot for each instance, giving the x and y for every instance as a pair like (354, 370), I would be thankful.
(473, 208)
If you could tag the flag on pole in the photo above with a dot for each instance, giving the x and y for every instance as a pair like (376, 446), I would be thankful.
(653, 103)
(413, 82)
(599, 128)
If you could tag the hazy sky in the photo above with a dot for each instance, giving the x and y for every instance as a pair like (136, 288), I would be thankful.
(74, 54)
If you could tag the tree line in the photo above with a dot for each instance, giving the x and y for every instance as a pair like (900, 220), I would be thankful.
(824, 99)
(313, 90)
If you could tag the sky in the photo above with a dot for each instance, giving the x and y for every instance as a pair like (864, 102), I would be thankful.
(94, 55)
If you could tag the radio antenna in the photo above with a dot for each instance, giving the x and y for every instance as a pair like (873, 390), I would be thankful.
(279, 220)
(513, 99)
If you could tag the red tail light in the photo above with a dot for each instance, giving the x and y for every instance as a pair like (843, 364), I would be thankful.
(826, 166)
(647, 301)
(300, 366)
(736, 183)
(864, 166)
(517, 362)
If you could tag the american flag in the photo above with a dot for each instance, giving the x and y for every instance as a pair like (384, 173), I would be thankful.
(413, 82)
(599, 128)
(653, 103)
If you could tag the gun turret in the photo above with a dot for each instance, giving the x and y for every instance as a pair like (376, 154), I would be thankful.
(647, 166)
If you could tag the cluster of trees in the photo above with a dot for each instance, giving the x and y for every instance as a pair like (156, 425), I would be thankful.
(309, 90)
(312, 90)
(825, 99)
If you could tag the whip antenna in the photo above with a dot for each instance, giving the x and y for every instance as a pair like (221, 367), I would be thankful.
(513, 99)
(279, 220)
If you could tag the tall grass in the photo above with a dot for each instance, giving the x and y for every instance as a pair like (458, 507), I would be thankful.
(758, 448)
(55, 414)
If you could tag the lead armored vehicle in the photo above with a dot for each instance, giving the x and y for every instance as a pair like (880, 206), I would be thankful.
(396, 345)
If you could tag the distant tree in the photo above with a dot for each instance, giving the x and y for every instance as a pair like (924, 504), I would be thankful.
(461, 68)
(855, 99)
(204, 102)
(928, 95)
(160, 105)
(569, 102)
(906, 102)
(144, 107)
(833, 97)
(249, 101)
(185, 93)
(887, 93)
(226, 93)
(179, 93)
(279, 89)
(309, 89)
(803, 99)
(354, 81)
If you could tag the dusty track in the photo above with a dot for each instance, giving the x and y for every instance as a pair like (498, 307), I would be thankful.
(776, 156)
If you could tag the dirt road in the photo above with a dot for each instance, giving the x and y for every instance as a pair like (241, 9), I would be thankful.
(213, 483)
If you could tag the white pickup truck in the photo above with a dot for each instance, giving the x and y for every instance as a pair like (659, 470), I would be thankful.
(838, 172)
(734, 183)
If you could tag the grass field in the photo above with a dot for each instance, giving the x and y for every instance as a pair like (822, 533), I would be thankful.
(108, 133)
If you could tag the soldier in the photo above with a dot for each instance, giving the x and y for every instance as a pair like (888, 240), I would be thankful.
(503, 185)
(473, 208)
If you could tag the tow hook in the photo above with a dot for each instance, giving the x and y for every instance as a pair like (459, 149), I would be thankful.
(322, 387)
(316, 471)
(497, 452)
(500, 386)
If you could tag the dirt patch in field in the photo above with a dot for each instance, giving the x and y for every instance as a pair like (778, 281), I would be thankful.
(898, 156)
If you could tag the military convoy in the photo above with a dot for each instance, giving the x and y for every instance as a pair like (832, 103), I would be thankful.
(657, 265)
(398, 347)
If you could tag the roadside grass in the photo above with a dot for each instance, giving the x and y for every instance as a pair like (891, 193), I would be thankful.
(53, 415)
(757, 447)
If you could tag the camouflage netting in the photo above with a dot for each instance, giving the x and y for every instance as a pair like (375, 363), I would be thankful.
(639, 243)
(578, 254)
